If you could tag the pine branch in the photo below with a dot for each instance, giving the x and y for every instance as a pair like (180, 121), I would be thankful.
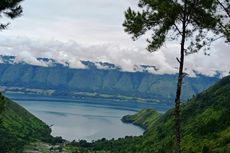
(223, 7)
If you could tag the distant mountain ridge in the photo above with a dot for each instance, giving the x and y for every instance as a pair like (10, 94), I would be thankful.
(97, 79)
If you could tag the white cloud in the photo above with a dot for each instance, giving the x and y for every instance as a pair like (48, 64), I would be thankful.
(95, 28)
(85, 21)
(127, 58)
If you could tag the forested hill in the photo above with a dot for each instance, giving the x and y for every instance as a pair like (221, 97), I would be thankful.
(18, 127)
(205, 127)
(59, 79)
(205, 124)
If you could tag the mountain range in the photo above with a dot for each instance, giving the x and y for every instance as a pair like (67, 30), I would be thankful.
(97, 79)
(205, 128)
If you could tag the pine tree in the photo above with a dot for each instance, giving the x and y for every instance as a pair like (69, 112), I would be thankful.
(9, 9)
(222, 13)
(187, 21)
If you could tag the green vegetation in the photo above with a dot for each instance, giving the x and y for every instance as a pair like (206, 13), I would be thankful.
(113, 97)
(18, 127)
(187, 21)
(47, 148)
(145, 118)
(205, 127)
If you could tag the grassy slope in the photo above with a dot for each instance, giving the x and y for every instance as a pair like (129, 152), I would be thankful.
(19, 127)
(205, 122)
(206, 127)
(145, 118)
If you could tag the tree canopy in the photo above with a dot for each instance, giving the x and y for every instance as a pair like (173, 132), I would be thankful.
(187, 21)
(164, 18)
(9, 9)
(222, 13)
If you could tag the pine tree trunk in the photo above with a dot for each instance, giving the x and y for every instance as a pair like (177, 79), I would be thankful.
(179, 87)
(178, 101)
(177, 109)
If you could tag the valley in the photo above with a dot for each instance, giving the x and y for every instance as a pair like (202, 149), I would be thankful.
(115, 76)
(206, 125)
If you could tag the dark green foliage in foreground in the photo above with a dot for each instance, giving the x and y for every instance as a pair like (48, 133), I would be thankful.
(18, 127)
(205, 125)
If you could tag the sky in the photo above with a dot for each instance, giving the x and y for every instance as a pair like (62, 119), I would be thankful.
(76, 30)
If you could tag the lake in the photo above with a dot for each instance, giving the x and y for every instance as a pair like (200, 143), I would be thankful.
(88, 119)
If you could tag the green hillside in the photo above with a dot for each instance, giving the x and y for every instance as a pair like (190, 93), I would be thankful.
(18, 127)
(206, 127)
(145, 118)
(205, 122)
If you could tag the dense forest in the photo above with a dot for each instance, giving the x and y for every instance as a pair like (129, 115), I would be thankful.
(18, 127)
(206, 127)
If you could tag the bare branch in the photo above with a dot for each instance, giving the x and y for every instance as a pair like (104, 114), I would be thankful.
(225, 9)
(177, 29)
(185, 74)
(178, 60)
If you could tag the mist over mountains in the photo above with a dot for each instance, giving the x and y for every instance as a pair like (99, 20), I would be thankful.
(96, 79)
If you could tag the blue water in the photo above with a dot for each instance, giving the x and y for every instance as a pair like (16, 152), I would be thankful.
(88, 119)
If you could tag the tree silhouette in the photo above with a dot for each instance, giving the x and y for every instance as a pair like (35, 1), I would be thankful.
(222, 13)
(9, 9)
(187, 21)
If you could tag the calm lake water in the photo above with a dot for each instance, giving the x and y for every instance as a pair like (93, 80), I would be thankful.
(88, 119)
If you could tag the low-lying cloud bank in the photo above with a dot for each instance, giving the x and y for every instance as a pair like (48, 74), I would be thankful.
(128, 59)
